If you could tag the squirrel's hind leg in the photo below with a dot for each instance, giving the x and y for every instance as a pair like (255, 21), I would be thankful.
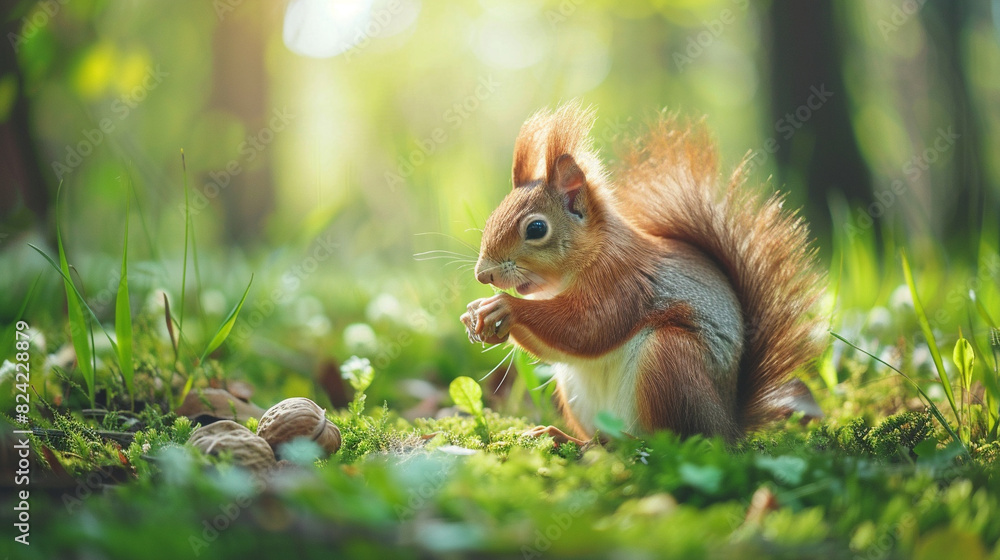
(572, 423)
(674, 388)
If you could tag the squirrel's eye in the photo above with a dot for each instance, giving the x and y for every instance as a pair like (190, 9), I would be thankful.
(536, 230)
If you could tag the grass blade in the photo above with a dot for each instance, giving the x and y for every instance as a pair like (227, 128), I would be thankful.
(982, 310)
(170, 325)
(9, 336)
(935, 411)
(187, 229)
(78, 326)
(925, 326)
(82, 301)
(526, 371)
(827, 371)
(184, 392)
(226, 326)
(123, 318)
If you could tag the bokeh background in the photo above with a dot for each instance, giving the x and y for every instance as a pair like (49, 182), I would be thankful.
(327, 142)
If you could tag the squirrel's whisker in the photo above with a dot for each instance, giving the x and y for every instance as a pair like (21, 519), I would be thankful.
(539, 388)
(453, 238)
(509, 355)
(504, 378)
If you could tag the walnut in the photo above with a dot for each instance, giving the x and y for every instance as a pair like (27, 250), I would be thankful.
(248, 449)
(298, 417)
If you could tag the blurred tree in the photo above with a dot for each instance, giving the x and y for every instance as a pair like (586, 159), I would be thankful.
(20, 163)
(823, 156)
(240, 87)
(946, 25)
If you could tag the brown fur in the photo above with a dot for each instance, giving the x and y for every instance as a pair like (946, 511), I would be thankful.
(571, 422)
(667, 186)
(602, 258)
(675, 391)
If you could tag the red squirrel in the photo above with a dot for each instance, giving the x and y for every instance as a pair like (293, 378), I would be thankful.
(657, 295)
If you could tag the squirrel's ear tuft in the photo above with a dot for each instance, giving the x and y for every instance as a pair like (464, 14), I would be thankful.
(570, 180)
(529, 149)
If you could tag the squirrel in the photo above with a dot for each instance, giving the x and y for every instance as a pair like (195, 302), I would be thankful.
(657, 296)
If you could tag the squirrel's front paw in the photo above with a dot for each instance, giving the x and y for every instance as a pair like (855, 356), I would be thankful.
(488, 319)
(469, 320)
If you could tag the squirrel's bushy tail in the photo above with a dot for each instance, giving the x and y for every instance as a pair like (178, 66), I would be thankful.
(666, 182)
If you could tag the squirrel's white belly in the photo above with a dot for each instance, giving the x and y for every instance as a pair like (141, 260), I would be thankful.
(606, 383)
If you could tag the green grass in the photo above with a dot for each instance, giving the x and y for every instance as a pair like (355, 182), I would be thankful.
(903, 465)
(123, 316)
(79, 327)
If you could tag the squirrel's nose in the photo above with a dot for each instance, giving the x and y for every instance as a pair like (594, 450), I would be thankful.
(485, 277)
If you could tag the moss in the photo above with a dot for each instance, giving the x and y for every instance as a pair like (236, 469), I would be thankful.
(896, 436)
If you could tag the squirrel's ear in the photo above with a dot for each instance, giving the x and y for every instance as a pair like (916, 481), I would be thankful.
(569, 180)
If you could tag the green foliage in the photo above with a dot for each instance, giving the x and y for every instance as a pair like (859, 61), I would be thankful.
(898, 435)
(123, 320)
(871, 480)
(363, 435)
(609, 425)
(468, 397)
(187, 234)
(227, 325)
(79, 328)
(892, 440)
(359, 373)
(925, 327)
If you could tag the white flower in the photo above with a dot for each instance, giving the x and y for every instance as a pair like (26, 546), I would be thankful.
(643, 456)
(318, 325)
(384, 306)
(37, 340)
(901, 298)
(879, 320)
(359, 372)
(6, 370)
(359, 338)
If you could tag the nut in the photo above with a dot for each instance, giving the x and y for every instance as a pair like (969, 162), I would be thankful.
(248, 449)
(298, 417)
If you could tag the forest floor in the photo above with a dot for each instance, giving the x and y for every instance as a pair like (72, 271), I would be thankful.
(902, 464)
